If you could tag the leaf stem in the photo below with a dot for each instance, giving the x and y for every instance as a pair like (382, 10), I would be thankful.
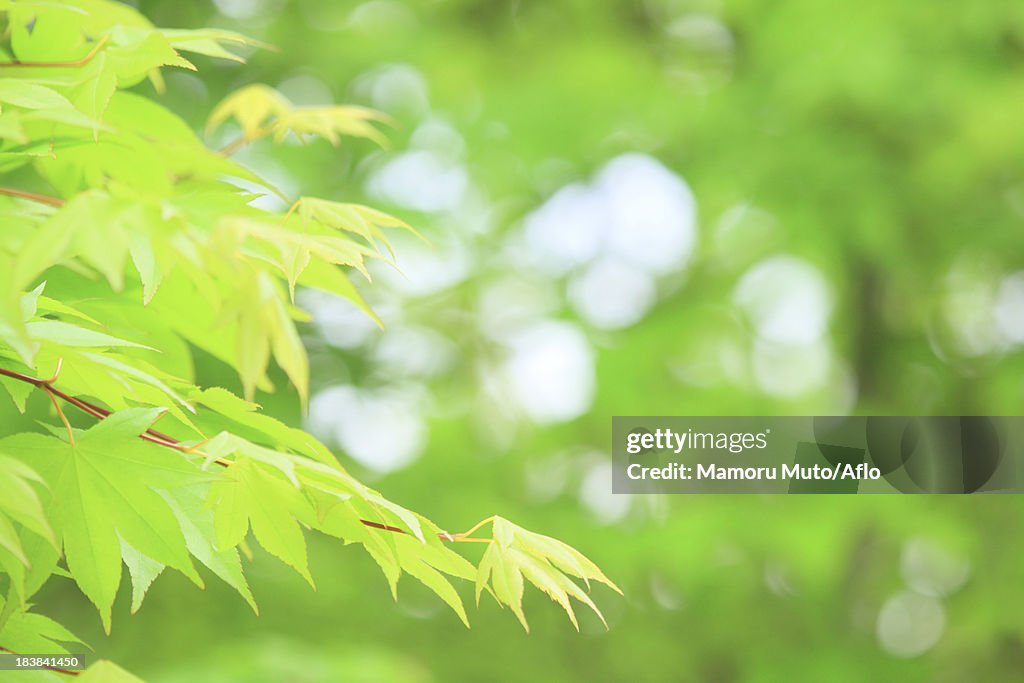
(479, 524)
(32, 196)
(243, 140)
(63, 417)
(60, 65)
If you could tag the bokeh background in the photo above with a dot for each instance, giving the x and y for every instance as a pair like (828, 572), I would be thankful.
(639, 207)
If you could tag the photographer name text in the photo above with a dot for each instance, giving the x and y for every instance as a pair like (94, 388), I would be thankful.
(711, 471)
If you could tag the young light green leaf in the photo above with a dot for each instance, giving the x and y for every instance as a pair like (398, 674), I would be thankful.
(10, 542)
(254, 494)
(20, 500)
(104, 671)
(20, 93)
(18, 391)
(11, 127)
(103, 491)
(516, 553)
(141, 375)
(351, 218)
(417, 565)
(44, 31)
(210, 42)
(29, 632)
(252, 107)
(68, 334)
(92, 96)
(328, 278)
(330, 123)
(143, 571)
(288, 350)
(505, 580)
(244, 418)
(137, 51)
(198, 526)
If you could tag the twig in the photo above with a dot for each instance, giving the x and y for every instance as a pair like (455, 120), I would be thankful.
(32, 196)
(99, 413)
(385, 527)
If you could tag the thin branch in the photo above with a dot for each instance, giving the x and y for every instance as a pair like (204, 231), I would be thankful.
(99, 413)
(60, 65)
(166, 441)
(385, 527)
(32, 196)
(67, 672)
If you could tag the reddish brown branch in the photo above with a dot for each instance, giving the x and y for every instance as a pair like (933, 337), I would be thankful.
(67, 672)
(160, 439)
(96, 411)
(385, 527)
(32, 196)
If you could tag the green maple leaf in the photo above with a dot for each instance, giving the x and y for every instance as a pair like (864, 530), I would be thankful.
(27, 631)
(105, 489)
(104, 671)
(252, 494)
(547, 563)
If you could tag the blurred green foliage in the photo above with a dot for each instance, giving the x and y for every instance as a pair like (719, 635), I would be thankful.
(875, 141)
